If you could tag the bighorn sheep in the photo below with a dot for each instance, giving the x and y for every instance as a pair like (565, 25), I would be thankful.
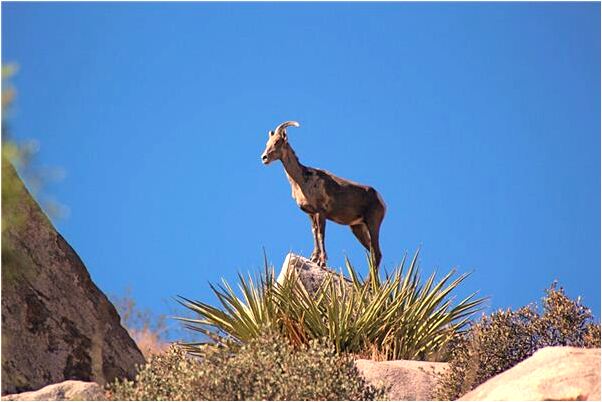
(323, 195)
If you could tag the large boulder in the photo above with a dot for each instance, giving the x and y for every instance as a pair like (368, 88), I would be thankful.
(56, 324)
(70, 390)
(551, 374)
(406, 380)
(310, 274)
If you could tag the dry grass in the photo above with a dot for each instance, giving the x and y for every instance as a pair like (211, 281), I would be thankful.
(147, 329)
(149, 342)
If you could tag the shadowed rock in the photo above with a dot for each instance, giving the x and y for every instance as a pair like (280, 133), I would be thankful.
(551, 374)
(56, 324)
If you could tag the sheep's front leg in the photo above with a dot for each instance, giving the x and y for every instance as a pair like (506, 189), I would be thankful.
(321, 223)
(315, 255)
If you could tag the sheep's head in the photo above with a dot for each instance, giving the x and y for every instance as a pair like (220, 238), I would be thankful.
(276, 142)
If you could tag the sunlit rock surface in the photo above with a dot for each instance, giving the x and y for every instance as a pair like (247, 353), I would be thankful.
(551, 374)
(65, 391)
(309, 273)
(406, 380)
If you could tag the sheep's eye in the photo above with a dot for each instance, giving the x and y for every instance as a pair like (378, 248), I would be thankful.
(271, 133)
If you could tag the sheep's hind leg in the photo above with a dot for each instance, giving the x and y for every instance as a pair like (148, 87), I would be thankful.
(373, 226)
(315, 255)
(360, 231)
(321, 221)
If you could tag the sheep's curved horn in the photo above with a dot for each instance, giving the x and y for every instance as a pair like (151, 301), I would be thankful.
(286, 124)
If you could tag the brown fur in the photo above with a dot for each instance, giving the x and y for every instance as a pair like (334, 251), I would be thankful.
(323, 195)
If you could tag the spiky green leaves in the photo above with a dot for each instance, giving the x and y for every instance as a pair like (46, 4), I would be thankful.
(395, 317)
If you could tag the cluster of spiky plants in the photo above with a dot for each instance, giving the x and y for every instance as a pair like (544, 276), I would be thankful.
(395, 317)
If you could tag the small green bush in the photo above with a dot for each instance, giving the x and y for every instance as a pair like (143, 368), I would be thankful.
(267, 368)
(501, 340)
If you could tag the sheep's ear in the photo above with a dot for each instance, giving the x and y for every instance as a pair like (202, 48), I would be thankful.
(284, 135)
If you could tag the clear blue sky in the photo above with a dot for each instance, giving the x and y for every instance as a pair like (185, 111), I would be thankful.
(478, 123)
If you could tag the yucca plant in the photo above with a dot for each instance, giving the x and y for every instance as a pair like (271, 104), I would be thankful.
(394, 317)
(391, 318)
(240, 319)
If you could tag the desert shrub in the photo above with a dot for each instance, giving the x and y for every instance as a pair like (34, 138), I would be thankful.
(267, 368)
(566, 322)
(395, 317)
(501, 340)
(166, 376)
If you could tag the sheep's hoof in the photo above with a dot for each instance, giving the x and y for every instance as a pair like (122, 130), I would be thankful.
(315, 258)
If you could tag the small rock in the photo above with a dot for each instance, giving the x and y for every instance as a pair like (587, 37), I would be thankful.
(65, 391)
(407, 380)
(552, 374)
(309, 273)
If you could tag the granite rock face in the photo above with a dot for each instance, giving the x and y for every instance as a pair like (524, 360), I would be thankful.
(406, 380)
(70, 390)
(556, 373)
(56, 323)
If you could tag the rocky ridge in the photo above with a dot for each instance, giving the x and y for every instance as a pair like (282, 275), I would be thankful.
(56, 323)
